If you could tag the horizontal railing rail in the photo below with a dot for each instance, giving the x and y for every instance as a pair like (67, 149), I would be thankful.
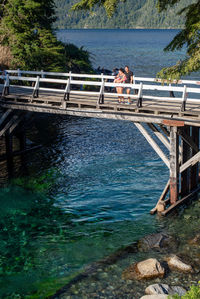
(101, 76)
(103, 83)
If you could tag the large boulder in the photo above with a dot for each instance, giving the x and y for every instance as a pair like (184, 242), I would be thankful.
(175, 263)
(156, 289)
(156, 241)
(147, 269)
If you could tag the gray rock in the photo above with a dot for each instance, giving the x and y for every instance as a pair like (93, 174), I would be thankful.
(156, 241)
(164, 289)
(175, 263)
(147, 269)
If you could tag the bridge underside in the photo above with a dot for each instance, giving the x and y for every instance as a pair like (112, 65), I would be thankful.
(176, 130)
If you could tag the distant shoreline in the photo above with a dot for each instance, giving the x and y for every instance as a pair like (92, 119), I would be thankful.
(138, 28)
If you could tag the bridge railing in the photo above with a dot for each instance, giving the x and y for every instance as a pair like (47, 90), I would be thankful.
(43, 74)
(103, 85)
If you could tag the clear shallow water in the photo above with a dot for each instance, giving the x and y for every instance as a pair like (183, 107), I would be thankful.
(89, 190)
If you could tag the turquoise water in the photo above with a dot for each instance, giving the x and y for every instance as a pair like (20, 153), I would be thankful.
(88, 190)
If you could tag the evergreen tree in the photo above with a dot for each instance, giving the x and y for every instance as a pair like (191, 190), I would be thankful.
(26, 28)
(189, 37)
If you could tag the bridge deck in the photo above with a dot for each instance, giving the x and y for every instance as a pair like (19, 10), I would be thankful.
(88, 105)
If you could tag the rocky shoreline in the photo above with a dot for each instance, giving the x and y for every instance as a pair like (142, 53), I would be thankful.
(158, 265)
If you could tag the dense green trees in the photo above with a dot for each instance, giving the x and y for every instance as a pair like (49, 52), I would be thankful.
(129, 14)
(26, 31)
(26, 28)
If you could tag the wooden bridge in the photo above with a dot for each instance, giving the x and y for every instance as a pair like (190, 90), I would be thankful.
(170, 111)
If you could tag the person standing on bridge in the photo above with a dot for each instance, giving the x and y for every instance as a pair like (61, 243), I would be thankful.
(120, 78)
(129, 79)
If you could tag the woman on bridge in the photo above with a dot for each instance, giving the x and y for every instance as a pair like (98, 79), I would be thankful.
(120, 78)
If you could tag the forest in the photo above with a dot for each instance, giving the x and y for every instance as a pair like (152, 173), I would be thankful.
(129, 14)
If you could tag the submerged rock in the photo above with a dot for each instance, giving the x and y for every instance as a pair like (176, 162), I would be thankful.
(156, 241)
(154, 297)
(175, 263)
(164, 289)
(147, 269)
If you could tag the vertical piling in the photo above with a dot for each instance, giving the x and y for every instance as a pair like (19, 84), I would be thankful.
(185, 156)
(174, 165)
(194, 171)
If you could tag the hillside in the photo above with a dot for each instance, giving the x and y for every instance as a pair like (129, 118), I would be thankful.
(131, 14)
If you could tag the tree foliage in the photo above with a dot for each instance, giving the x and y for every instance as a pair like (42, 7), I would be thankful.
(26, 29)
(189, 36)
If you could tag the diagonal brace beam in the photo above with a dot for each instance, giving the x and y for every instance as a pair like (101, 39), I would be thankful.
(191, 162)
(159, 135)
(152, 143)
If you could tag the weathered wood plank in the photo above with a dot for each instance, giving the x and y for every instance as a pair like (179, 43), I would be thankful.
(173, 123)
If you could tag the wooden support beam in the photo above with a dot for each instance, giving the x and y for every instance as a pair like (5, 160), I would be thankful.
(173, 123)
(160, 136)
(194, 174)
(185, 131)
(5, 115)
(192, 161)
(161, 199)
(9, 124)
(152, 143)
(174, 165)
(181, 201)
(165, 131)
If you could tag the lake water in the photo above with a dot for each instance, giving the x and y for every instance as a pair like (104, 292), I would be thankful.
(88, 191)
(141, 49)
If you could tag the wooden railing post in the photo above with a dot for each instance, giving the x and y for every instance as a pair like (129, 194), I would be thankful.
(171, 93)
(139, 102)
(101, 93)
(6, 85)
(19, 73)
(184, 98)
(67, 92)
(42, 74)
(36, 88)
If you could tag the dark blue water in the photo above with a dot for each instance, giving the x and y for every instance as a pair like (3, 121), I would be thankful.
(89, 189)
(141, 49)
